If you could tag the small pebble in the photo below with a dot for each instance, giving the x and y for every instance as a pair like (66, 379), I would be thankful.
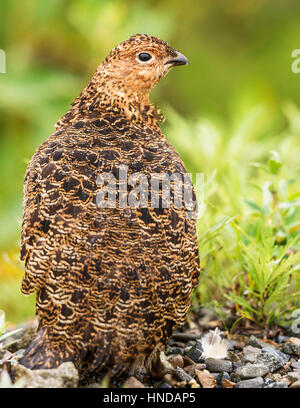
(165, 385)
(252, 371)
(296, 365)
(233, 357)
(231, 344)
(236, 365)
(290, 348)
(181, 384)
(277, 377)
(239, 346)
(268, 381)
(277, 385)
(169, 379)
(268, 348)
(205, 378)
(294, 376)
(296, 384)
(283, 357)
(190, 369)
(270, 360)
(182, 375)
(221, 377)
(176, 360)
(286, 381)
(254, 342)
(217, 366)
(253, 383)
(235, 377)
(196, 352)
(228, 384)
(280, 339)
(251, 354)
(294, 340)
(176, 350)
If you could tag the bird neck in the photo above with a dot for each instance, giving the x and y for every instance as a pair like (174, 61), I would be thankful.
(102, 96)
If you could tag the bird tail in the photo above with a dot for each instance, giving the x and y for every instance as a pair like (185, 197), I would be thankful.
(43, 352)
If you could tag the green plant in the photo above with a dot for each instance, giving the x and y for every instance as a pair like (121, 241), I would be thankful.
(267, 288)
(257, 252)
(249, 230)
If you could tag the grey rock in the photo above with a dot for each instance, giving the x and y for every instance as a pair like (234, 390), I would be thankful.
(165, 385)
(295, 365)
(231, 344)
(251, 354)
(294, 376)
(277, 385)
(257, 382)
(222, 376)
(290, 348)
(181, 375)
(269, 381)
(235, 377)
(196, 352)
(217, 366)
(176, 350)
(280, 339)
(296, 384)
(233, 357)
(270, 360)
(252, 371)
(283, 357)
(266, 347)
(235, 364)
(64, 376)
(254, 342)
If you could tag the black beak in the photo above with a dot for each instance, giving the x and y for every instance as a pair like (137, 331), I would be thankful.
(180, 59)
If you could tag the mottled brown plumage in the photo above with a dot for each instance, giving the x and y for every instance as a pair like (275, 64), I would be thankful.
(111, 283)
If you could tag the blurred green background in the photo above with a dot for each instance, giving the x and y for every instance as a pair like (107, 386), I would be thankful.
(236, 102)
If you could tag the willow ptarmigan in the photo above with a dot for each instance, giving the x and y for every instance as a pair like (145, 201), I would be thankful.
(111, 280)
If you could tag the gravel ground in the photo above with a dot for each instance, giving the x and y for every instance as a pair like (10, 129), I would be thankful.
(250, 362)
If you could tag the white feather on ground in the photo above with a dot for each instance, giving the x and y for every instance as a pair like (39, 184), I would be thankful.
(213, 345)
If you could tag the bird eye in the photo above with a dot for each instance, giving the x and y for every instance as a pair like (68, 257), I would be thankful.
(144, 56)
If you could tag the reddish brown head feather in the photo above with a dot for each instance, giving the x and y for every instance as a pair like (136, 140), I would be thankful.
(124, 81)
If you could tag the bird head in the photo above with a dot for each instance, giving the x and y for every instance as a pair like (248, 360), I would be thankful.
(136, 65)
(125, 78)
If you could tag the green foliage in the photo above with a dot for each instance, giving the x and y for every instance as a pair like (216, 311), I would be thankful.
(249, 233)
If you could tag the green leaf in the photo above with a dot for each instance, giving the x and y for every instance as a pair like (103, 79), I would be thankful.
(274, 162)
(253, 205)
